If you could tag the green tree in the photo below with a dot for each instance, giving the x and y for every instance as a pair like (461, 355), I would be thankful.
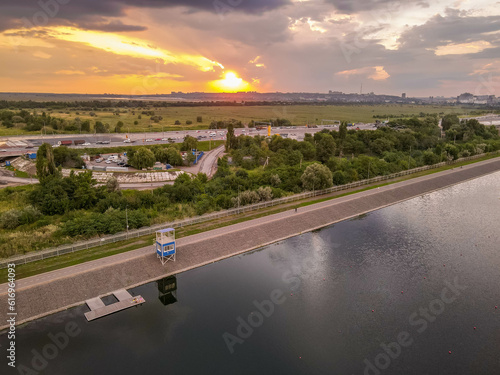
(449, 120)
(190, 143)
(85, 126)
(325, 148)
(112, 184)
(99, 127)
(230, 138)
(316, 177)
(67, 157)
(342, 131)
(45, 164)
(142, 158)
(339, 178)
(118, 127)
(381, 145)
(199, 119)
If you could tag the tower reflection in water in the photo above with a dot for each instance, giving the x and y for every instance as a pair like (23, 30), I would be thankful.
(167, 290)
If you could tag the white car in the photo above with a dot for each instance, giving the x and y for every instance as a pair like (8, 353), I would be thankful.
(165, 139)
(108, 161)
(150, 140)
(127, 141)
(86, 144)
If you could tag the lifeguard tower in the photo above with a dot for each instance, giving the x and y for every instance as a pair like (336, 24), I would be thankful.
(165, 245)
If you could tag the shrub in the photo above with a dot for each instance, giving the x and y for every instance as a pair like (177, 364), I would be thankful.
(10, 219)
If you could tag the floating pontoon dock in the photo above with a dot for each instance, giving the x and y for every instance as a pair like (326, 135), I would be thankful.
(98, 309)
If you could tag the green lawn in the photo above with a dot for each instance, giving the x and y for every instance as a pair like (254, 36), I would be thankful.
(297, 114)
(17, 172)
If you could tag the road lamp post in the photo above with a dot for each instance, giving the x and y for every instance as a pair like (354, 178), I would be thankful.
(238, 198)
(126, 218)
(409, 159)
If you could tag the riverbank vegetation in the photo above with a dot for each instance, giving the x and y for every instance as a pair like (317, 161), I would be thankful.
(63, 209)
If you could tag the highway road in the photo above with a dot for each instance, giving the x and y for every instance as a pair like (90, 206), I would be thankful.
(29, 143)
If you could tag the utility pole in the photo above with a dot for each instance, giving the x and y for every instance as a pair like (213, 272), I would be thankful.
(238, 198)
(126, 218)
(409, 159)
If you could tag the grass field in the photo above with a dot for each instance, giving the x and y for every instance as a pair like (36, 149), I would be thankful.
(297, 114)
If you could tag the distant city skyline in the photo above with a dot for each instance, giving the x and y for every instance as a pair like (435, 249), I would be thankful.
(423, 49)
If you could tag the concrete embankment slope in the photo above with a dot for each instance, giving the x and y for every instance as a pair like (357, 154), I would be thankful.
(44, 294)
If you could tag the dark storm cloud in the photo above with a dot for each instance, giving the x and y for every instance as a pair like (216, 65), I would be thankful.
(14, 13)
(454, 27)
(356, 6)
(113, 26)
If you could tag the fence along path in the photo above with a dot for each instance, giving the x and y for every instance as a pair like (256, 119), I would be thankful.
(83, 245)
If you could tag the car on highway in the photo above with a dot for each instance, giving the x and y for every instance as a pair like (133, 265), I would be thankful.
(150, 140)
(127, 141)
(158, 139)
(86, 144)
(165, 139)
(98, 160)
(108, 161)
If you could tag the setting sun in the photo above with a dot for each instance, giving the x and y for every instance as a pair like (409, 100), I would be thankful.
(231, 82)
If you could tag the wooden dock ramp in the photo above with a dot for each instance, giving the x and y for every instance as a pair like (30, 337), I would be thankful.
(98, 309)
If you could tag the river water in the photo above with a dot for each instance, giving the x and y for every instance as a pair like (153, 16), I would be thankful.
(408, 289)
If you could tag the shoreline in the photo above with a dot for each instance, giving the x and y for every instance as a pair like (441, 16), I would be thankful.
(66, 291)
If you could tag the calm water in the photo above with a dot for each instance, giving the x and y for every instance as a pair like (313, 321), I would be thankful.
(337, 276)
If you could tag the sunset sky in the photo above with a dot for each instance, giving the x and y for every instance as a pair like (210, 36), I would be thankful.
(443, 47)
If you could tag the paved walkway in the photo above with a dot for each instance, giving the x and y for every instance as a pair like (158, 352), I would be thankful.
(53, 291)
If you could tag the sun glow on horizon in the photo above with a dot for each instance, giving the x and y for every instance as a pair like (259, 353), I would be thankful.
(231, 82)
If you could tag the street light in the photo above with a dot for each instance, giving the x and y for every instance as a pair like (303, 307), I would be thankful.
(126, 218)
(238, 198)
